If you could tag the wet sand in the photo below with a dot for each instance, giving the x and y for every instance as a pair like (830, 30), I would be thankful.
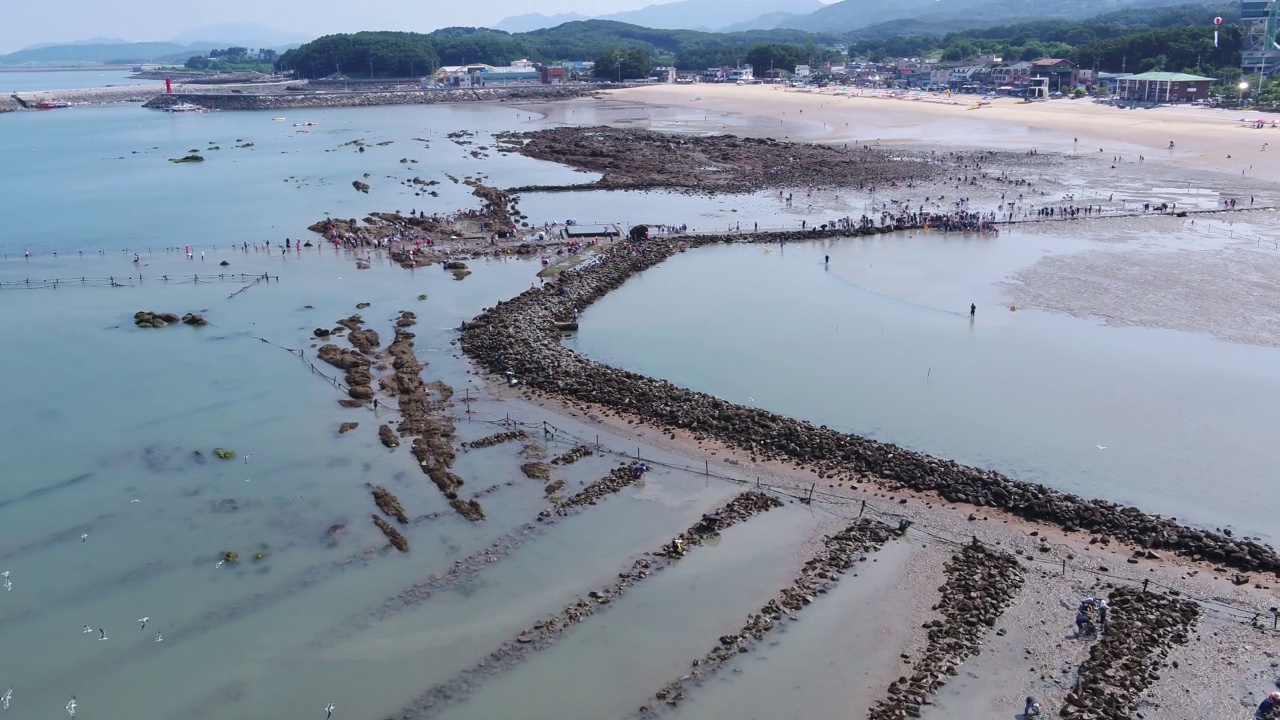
(1203, 138)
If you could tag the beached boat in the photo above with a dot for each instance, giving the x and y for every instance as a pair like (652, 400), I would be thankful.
(52, 104)
(185, 107)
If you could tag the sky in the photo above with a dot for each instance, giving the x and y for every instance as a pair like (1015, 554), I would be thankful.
(29, 22)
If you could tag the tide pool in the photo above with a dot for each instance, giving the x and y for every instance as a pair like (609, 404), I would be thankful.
(879, 342)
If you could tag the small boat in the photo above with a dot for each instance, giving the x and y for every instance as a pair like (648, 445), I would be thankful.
(52, 104)
(184, 107)
(279, 119)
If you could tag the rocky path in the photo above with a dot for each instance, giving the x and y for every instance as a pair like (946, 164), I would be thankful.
(520, 336)
(1141, 629)
(981, 582)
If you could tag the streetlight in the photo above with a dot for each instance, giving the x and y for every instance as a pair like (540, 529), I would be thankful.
(1242, 86)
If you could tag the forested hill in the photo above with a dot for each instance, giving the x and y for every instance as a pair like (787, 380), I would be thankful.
(1174, 39)
(393, 53)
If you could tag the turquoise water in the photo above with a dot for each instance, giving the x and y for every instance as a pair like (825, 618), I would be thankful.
(879, 342)
(32, 80)
(100, 413)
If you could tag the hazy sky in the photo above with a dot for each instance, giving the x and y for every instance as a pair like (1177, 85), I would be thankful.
(28, 22)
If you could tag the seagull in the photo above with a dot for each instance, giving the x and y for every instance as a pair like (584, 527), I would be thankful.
(328, 710)
(4, 699)
(134, 501)
(102, 635)
(8, 585)
(158, 638)
(4, 574)
(246, 459)
(247, 479)
(143, 620)
(87, 630)
(71, 706)
(215, 567)
(1102, 447)
(84, 537)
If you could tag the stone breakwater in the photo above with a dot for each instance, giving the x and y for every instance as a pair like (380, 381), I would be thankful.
(324, 99)
(981, 582)
(840, 552)
(574, 455)
(520, 335)
(496, 439)
(545, 633)
(1141, 628)
(619, 478)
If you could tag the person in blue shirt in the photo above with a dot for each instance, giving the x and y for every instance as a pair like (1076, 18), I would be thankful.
(1269, 707)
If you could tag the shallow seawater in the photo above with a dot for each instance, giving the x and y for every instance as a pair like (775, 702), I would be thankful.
(879, 342)
(100, 414)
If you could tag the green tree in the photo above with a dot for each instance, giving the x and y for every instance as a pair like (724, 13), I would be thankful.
(633, 64)
(197, 62)
(960, 50)
(768, 56)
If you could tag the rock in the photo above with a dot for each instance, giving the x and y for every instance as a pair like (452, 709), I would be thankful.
(536, 471)
(389, 504)
(388, 436)
(359, 185)
(187, 159)
(394, 537)
(347, 427)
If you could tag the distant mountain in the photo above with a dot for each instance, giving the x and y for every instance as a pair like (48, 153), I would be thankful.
(681, 15)
(536, 21)
(768, 21)
(97, 53)
(118, 52)
(932, 16)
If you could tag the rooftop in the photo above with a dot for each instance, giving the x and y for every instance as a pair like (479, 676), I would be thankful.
(1167, 77)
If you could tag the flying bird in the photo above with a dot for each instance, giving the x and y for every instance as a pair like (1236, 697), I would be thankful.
(219, 564)
(328, 710)
(1102, 447)
(84, 537)
(158, 638)
(71, 706)
(102, 635)
(87, 630)
(144, 620)
(4, 699)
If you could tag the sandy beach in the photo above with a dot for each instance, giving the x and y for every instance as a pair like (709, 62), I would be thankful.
(1209, 139)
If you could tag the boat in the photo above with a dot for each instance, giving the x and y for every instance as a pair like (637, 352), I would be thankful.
(52, 104)
(185, 107)
(279, 119)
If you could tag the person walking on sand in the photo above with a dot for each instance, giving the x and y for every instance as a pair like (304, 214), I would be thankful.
(973, 309)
